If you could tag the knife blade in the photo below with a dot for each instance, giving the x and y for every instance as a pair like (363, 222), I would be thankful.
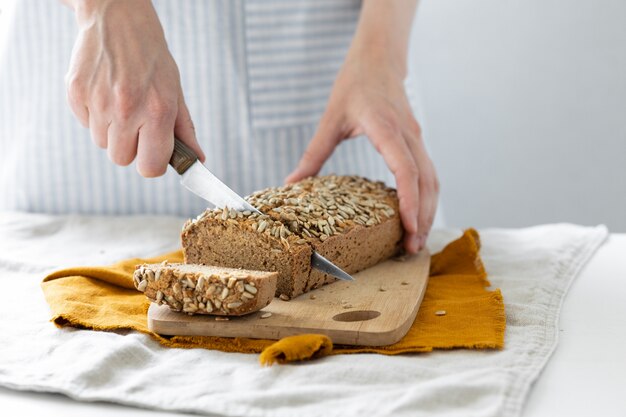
(200, 181)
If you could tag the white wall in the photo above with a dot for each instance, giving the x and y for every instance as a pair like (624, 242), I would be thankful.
(7, 8)
(523, 105)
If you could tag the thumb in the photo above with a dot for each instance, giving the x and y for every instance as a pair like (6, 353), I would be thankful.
(321, 146)
(184, 129)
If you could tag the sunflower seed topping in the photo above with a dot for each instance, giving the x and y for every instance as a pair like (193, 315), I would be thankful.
(224, 293)
(314, 208)
(262, 226)
(200, 284)
(137, 278)
(190, 308)
(210, 290)
(246, 296)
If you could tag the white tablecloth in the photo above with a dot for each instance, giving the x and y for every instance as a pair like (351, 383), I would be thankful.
(534, 268)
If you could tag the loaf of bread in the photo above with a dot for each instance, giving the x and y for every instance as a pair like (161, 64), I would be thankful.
(202, 289)
(350, 220)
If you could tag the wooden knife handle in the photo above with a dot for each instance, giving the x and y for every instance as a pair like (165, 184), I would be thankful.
(183, 157)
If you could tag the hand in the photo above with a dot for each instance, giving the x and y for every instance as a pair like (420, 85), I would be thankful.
(369, 98)
(124, 85)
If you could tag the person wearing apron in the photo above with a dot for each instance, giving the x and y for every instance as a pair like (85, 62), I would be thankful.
(253, 86)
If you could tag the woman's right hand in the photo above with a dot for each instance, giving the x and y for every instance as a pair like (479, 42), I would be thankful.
(124, 85)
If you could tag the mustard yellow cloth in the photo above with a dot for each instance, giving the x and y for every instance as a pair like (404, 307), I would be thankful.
(104, 298)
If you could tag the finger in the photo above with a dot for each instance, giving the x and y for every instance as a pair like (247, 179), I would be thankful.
(155, 143)
(433, 208)
(122, 143)
(389, 142)
(321, 146)
(98, 128)
(185, 130)
(154, 150)
(76, 96)
(427, 180)
(424, 197)
(427, 206)
(80, 111)
(434, 185)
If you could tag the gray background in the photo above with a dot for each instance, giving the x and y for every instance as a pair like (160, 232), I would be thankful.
(523, 105)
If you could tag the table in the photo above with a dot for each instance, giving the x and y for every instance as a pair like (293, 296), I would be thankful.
(586, 375)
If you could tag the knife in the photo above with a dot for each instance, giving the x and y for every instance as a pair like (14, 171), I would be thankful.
(200, 181)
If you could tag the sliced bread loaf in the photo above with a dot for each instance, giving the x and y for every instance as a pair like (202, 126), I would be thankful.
(350, 220)
(202, 289)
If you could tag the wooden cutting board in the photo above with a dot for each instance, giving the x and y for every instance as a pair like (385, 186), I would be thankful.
(376, 309)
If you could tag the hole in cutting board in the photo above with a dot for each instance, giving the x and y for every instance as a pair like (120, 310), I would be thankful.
(358, 315)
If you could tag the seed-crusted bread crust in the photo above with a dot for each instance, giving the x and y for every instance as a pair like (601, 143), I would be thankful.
(352, 221)
(199, 289)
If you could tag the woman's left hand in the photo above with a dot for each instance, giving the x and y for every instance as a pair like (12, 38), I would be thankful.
(368, 98)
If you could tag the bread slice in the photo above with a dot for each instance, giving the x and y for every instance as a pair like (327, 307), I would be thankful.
(350, 220)
(203, 289)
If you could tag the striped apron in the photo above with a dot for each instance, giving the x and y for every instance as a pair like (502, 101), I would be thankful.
(256, 76)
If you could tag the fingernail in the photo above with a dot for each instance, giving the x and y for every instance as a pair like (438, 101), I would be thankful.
(422, 241)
